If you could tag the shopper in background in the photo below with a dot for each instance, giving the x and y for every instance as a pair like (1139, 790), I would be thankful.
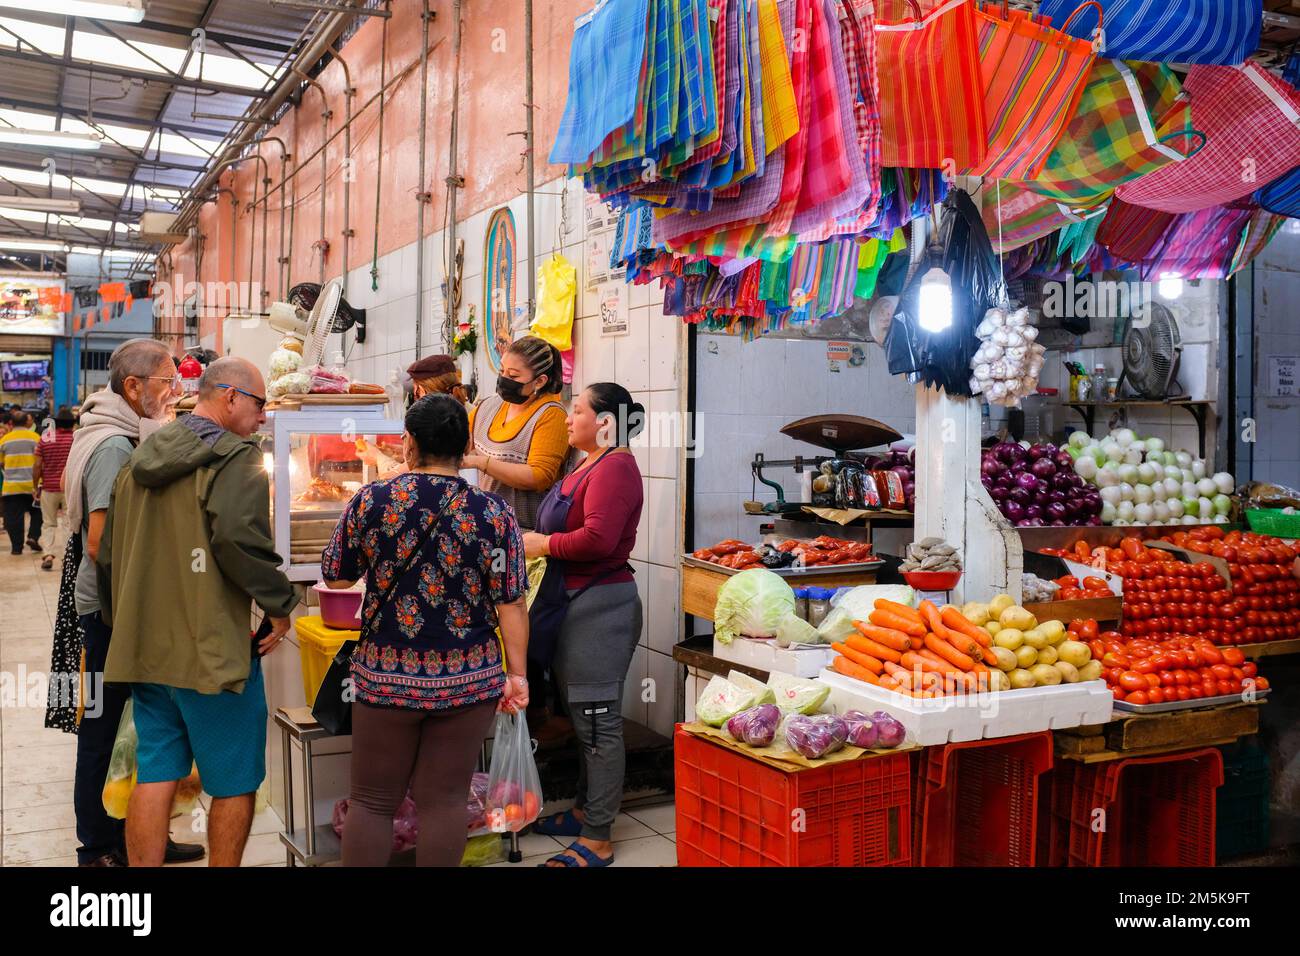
(436, 375)
(444, 566)
(47, 473)
(191, 520)
(602, 626)
(18, 457)
(113, 421)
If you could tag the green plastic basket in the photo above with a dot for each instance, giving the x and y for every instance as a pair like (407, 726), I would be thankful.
(1273, 521)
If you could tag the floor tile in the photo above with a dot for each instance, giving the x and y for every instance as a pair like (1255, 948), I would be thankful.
(54, 816)
(628, 828)
(37, 795)
(59, 861)
(41, 845)
(262, 849)
(532, 844)
(660, 819)
(528, 861)
(648, 851)
(39, 765)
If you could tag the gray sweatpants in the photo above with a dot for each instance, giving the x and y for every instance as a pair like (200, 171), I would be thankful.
(601, 631)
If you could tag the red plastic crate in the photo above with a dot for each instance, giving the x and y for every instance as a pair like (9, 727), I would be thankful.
(977, 801)
(736, 811)
(1156, 811)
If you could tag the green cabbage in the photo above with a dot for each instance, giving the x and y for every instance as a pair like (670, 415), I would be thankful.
(762, 693)
(856, 605)
(721, 700)
(797, 695)
(752, 603)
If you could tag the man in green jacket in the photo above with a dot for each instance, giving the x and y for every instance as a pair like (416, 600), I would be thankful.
(189, 552)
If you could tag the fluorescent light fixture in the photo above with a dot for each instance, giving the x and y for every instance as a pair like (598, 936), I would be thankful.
(54, 139)
(126, 11)
(936, 300)
(111, 253)
(1170, 285)
(38, 204)
(32, 245)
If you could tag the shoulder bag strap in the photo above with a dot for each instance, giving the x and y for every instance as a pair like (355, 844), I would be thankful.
(415, 553)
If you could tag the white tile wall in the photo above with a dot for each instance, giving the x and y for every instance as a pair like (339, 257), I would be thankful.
(661, 711)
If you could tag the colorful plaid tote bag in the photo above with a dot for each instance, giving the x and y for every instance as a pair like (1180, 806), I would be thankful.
(1014, 216)
(1219, 32)
(1032, 79)
(1130, 233)
(1282, 195)
(1263, 226)
(931, 107)
(1131, 121)
(1251, 122)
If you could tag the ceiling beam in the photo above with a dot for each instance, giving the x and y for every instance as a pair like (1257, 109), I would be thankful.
(115, 118)
(112, 69)
(217, 36)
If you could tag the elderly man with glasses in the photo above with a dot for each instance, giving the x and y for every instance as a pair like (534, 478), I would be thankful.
(189, 552)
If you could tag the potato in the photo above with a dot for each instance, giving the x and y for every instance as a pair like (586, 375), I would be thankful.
(1045, 675)
(1035, 638)
(1021, 678)
(1026, 656)
(992, 627)
(1047, 655)
(1000, 604)
(998, 681)
(1006, 659)
(1090, 671)
(1017, 617)
(1054, 630)
(1069, 673)
(1009, 638)
(1074, 652)
(975, 612)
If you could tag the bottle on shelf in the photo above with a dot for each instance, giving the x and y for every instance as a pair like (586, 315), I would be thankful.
(1099, 380)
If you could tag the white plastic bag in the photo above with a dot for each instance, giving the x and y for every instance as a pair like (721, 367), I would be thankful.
(514, 789)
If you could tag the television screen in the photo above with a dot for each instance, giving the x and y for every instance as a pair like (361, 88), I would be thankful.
(24, 376)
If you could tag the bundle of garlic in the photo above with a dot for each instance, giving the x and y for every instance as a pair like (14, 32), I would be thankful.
(1005, 368)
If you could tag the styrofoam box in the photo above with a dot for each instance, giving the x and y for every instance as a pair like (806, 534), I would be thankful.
(801, 660)
(942, 720)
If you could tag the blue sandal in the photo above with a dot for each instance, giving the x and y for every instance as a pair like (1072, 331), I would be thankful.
(569, 825)
(593, 861)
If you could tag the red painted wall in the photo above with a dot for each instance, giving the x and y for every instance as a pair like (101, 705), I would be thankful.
(492, 84)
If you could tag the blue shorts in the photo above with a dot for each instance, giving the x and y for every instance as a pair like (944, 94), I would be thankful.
(225, 734)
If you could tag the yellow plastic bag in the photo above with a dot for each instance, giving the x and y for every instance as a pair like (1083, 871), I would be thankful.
(557, 288)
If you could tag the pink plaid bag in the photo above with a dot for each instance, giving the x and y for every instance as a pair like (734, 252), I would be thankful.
(1251, 123)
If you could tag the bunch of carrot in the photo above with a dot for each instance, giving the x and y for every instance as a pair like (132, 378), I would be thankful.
(921, 651)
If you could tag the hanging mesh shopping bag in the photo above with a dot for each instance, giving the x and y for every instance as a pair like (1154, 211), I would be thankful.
(1282, 195)
(1198, 245)
(1131, 121)
(1015, 216)
(1130, 233)
(931, 108)
(1222, 32)
(1032, 79)
(1251, 122)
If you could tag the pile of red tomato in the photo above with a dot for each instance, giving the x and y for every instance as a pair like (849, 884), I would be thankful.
(1074, 589)
(1165, 599)
(1142, 671)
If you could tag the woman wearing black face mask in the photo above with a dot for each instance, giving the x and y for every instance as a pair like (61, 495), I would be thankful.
(518, 437)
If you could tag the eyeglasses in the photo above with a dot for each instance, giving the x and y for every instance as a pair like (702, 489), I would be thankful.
(261, 402)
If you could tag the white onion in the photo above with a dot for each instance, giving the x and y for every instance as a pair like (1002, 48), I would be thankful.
(1144, 513)
(1125, 510)
(1146, 473)
(1224, 482)
(1161, 510)
(1198, 469)
(1085, 468)
(1188, 519)
(1133, 456)
(1220, 519)
(1111, 495)
(1108, 514)
(1173, 487)
(1206, 507)
(1222, 504)
(1184, 459)
(1175, 506)
(1121, 523)
(1126, 492)
(1124, 437)
(1080, 439)
(1170, 472)
(1158, 491)
(1128, 474)
(1207, 488)
(1155, 444)
(1189, 489)
(1107, 477)
(1114, 453)
(1143, 494)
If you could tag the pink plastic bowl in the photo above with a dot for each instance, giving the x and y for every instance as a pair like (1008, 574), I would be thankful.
(340, 609)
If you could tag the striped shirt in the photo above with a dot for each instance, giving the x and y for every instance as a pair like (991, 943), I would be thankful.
(17, 454)
(53, 450)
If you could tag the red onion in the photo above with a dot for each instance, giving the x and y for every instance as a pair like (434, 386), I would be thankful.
(1043, 468)
(1014, 511)
(1056, 510)
(1027, 481)
(1033, 512)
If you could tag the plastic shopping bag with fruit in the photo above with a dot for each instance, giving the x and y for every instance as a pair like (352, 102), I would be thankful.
(121, 767)
(514, 795)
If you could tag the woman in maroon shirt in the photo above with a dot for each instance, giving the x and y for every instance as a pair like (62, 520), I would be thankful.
(603, 624)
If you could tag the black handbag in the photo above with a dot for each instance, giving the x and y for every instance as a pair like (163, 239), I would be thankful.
(333, 706)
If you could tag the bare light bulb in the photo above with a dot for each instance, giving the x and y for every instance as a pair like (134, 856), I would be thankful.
(936, 300)
(1170, 285)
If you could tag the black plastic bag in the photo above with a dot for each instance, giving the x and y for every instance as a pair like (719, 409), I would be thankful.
(943, 359)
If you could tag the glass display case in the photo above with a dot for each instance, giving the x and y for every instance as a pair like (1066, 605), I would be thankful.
(317, 460)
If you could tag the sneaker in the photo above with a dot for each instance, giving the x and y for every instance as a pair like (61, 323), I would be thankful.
(35, 546)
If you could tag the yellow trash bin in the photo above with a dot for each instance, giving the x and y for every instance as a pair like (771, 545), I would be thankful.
(317, 644)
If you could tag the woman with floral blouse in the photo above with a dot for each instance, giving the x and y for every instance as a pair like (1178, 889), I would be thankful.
(444, 565)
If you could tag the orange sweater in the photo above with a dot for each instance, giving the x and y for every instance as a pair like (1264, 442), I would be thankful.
(550, 446)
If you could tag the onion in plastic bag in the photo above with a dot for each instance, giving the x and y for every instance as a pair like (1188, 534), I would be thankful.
(817, 735)
(890, 732)
(862, 729)
(756, 726)
(282, 362)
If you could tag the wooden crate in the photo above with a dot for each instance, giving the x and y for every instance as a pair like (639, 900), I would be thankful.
(700, 586)
(1130, 735)
(1098, 609)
